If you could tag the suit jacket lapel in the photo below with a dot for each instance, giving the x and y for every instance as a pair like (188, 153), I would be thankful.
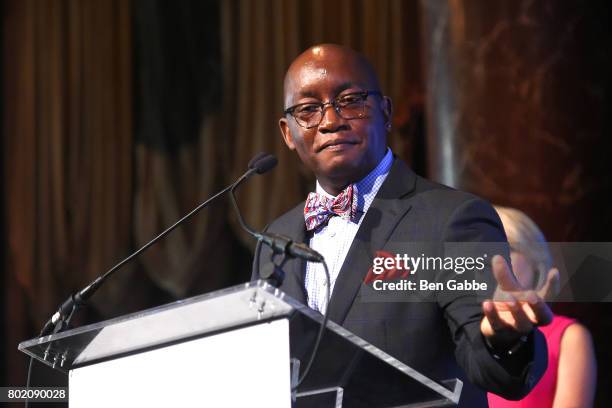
(382, 217)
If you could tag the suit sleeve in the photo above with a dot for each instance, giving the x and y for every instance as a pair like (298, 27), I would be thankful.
(474, 229)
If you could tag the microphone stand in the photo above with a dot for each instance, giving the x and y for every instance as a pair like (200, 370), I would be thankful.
(261, 163)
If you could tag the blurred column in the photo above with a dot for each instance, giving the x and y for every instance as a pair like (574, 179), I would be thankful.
(517, 96)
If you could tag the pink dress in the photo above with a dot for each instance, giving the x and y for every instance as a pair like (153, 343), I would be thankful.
(543, 394)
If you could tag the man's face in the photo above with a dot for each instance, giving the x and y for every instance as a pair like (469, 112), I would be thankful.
(338, 149)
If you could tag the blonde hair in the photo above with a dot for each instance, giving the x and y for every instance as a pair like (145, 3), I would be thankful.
(525, 237)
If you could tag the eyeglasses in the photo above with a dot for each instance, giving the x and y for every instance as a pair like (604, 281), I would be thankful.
(348, 106)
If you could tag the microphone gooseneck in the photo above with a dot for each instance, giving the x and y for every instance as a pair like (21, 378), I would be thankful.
(279, 244)
(260, 164)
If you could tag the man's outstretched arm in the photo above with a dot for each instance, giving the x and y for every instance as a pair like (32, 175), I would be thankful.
(497, 343)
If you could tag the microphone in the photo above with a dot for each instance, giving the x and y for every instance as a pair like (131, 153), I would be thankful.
(260, 164)
(263, 162)
(280, 244)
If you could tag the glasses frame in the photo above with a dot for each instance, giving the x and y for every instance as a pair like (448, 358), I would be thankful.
(334, 103)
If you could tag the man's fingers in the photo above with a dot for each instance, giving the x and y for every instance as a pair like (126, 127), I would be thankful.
(522, 322)
(551, 287)
(513, 308)
(542, 315)
(503, 275)
(492, 315)
(501, 315)
(533, 307)
(514, 315)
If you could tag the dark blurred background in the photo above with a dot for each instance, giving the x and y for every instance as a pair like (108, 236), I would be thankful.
(118, 116)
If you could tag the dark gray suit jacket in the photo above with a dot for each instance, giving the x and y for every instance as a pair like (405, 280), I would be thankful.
(441, 337)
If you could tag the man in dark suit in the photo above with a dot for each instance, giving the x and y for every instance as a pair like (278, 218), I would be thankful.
(336, 120)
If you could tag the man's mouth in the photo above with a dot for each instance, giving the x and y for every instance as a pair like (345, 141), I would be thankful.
(337, 144)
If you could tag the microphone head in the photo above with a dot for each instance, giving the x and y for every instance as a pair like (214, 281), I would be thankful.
(263, 162)
(256, 158)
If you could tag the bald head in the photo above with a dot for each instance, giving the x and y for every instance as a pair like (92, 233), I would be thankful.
(320, 58)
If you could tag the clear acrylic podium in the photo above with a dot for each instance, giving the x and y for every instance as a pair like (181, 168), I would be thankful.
(237, 347)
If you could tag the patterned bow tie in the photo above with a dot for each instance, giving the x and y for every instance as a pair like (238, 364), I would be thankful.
(319, 208)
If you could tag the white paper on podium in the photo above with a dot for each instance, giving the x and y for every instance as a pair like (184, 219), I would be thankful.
(194, 373)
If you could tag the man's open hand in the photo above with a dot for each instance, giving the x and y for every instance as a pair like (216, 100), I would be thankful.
(514, 310)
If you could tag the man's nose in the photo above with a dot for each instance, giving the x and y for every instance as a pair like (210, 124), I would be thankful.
(331, 120)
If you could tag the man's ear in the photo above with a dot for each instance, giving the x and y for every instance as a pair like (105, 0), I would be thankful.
(286, 131)
(387, 108)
